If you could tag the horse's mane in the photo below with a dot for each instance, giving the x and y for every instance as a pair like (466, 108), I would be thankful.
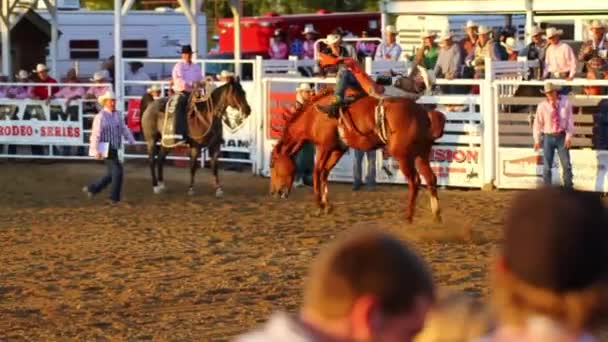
(322, 93)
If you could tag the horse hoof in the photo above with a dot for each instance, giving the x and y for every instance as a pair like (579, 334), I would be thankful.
(219, 192)
(191, 192)
(161, 186)
(157, 190)
(319, 212)
(409, 220)
(437, 219)
(328, 209)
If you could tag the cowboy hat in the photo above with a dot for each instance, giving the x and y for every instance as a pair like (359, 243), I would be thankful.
(153, 88)
(41, 67)
(471, 24)
(552, 31)
(108, 95)
(278, 32)
(536, 31)
(482, 29)
(333, 38)
(99, 76)
(309, 29)
(304, 87)
(186, 49)
(22, 75)
(390, 29)
(226, 73)
(512, 44)
(549, 87)
(596, 24)
(428, 34)
(445, 36)
(137, 65)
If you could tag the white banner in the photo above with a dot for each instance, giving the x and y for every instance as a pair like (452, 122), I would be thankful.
(453, 166)
(33, 122)
(522, 168)
(238, 130)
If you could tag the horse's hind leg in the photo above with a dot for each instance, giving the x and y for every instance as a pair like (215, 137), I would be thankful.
(214, 152)
(333, 159)
(152, 153)
(195, 152)
(424, 166)
(407, 166)
(160, 161)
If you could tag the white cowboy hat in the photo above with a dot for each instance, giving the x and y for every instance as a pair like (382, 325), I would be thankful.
(215, 37)
(22, 75)
(470, 24)
(511, 43)
(108, 95)
(41, 67)
(309, 29)
(428, 34)
(552, 31)
(304, 87)
(153, 88)
(549, 87)
(333, 38)
(445, 36)
(99, 75)
(226, 73)
(536, 31)
(483, 29)
(596, 24)
(390, 29)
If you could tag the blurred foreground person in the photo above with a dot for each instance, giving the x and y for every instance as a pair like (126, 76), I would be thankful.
(366, 287)
(550, 279)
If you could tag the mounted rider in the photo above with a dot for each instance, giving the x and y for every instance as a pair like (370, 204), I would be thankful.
(184, 76)
(332, 62)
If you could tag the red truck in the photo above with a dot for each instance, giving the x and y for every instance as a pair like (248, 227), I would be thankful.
(257, 31)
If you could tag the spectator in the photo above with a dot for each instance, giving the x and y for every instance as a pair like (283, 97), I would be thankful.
(19, 92)
(389, 49)
(152, 93)
(226, 76)
(595, 72)
(370, 181)
(365, 48)
(535, 51)
(427, 54)
(367, 287)
(308, 47)
(216, 44)
(296, 46)
(456, 318)
(467, 44)
(484, 48)
(3, 89)
(108, 66)
(98, 77)
(42, 76)
(278, 47)
(560, 61)
(549, 279)
(305, 157)
(449, 59)
(108, 130)
(513, 48)
(136, 73)
(596, 46)
(553, 128)
(72, 92)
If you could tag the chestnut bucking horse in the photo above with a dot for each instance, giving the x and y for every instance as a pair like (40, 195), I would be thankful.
(204, 116)
(404, 128)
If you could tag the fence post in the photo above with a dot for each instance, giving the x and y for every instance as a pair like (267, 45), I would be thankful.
(368, 65)
(260, 116)
(488, 117)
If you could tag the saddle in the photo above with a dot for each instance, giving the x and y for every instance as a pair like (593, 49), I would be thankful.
(168, 127)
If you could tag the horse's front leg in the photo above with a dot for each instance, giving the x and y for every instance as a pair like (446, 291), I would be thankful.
(331, 161)
(214, 163)
(152, 152)
(161, 155)
(194, 155)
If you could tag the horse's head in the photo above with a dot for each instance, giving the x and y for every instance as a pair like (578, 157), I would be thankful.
(234, 96)
(282, 171)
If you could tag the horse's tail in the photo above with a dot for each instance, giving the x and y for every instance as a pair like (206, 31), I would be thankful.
(438, 120)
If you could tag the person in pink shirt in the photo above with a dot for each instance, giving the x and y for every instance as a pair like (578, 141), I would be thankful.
(19, 92)
(185, 76)
(308, 47)
(365, 48)
(108, 130)
(72, 92)
(560, 60)
(96, 92)
(278, 47)
(553, 128)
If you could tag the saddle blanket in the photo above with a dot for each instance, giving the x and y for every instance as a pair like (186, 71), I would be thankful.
(168, 132)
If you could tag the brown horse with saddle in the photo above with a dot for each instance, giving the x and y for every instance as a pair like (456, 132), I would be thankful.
(404, 128)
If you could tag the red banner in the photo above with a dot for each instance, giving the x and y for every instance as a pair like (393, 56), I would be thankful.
(279, 113)
(133, 116)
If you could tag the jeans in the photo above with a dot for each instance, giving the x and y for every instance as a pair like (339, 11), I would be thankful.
(113, 175)
(345, 80)
(305, 160)
(181, 127)
(552, 142)
(371, 167)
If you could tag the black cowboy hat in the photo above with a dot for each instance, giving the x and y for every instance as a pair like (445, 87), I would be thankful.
(187, 49)
(137, 65)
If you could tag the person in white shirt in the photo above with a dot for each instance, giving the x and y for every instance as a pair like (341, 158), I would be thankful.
(389, 49)
(136, 73)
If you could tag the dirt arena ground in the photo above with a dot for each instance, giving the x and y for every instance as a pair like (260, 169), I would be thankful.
(174, 267)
